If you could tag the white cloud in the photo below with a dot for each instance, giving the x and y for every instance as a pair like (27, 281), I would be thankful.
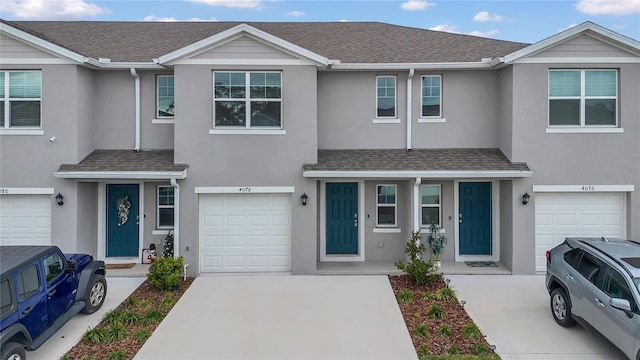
(484, 16)
(414, 5)
(55, 10)
(567, 27)
(343, 20)
(446, 28)
(608, 7)
(195, 19)
(242, 4)
(295, 13)
(159, 19)
(486, 34)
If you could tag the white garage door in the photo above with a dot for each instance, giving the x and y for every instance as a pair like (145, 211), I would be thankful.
(25, 220)
(245, 233)
(560, 215)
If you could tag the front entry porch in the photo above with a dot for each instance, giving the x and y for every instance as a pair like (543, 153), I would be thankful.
(387, 268)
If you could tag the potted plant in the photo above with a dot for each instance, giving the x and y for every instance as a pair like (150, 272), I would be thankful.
(436, 241)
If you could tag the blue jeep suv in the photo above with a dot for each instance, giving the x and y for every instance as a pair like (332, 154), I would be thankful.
(41, 289)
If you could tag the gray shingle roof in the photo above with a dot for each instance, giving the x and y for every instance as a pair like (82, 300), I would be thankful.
(349, 42)
(125, 160)
(414, 160)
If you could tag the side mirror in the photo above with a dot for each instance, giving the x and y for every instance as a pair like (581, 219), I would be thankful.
(72, 266)
(621, 304)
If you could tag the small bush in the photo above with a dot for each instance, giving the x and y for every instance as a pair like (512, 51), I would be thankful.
(141, 335)
(151, 317)
(144, 303)
(471, 331)
(420, 271)
(421, 329)
(131, 302)
(480, 349)
(113, 317)
(130, 317)
(423, 351)
(168, 302)
(116, 354)
(435, 312)
(404, 296)
(426, 296)
(115, 332)
(446, 294)
(95, 335)
(445, 330)
(453, 350)
(164, 273)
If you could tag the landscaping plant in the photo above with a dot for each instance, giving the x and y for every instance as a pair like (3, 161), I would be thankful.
(422, 272)
(164, 273)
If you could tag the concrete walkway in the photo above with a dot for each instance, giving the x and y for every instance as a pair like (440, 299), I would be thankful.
(283, 317)
(513, 311)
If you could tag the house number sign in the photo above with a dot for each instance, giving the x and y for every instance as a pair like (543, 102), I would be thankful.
(244, 189)
(588, 188)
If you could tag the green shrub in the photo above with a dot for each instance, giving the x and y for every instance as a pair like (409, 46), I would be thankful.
(116, 354)
(152, 316)
(436, 241)
(471, 331)
(423, 351)
(164, 273)
(404, 296)
(447, 294)
(130, 317)
(115, 332)
(95, 335)
(141, 335)
(113, 317)
(144, 303)
(435, 312)
(421, 329)
(420, 271)
(168, 301)
(445, 330)
(480, 349)
(131, 302)
(453, 350)
(426, 296)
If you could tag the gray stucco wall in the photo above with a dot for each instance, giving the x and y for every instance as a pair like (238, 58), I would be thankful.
(153, 136)
(87, 215)
(85, 103)
(114, 110)
(505, 111)
(507, 236)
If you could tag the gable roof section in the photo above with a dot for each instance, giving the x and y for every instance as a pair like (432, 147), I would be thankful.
(589, 28)
(236, 31)
(427, 163)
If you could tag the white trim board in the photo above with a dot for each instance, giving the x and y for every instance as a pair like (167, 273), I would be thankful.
(408, 174)
(243, 189)
(146, 175)
(26, 191)
(586, 188)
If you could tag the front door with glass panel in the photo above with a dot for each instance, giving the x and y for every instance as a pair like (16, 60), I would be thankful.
(342, 218)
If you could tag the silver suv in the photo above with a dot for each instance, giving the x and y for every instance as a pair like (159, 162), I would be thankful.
(596, 282)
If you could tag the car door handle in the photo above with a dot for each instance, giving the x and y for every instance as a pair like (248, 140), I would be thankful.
(26, 311)
(568, 276)
(51, 292)
(599, 303)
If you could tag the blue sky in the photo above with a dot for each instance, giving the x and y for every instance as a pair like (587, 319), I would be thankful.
(524, 21)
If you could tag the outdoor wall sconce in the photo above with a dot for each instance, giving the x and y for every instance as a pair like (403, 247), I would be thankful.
(304, 198)
(59, 199)
(525, 198)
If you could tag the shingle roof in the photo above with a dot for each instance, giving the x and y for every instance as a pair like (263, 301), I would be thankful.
(125, 160)
(414, 160)
(349, 42)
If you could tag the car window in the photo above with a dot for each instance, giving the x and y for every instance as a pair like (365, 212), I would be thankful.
(28, 282)
(53, 266)
(6, 302)
(572, 257)
(589, 266)
(616, 287)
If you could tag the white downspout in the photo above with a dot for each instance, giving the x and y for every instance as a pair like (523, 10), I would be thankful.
(416, 204)
(176, 218)
(409, 87)
(137, 100)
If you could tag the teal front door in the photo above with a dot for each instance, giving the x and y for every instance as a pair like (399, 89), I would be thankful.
(122, 220)
(342, 218)
(475, 218)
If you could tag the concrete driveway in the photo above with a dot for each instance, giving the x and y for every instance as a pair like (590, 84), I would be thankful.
(513, 311)
(283, 317)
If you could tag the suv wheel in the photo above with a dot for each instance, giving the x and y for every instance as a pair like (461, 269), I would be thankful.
(96, 295)
(561, 308)
(13, 351)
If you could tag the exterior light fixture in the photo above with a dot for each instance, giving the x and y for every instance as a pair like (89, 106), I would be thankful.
(59, 199)
(304, 198)
(525, 198)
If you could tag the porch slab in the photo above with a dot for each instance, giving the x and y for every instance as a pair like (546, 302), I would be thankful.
(388, 268)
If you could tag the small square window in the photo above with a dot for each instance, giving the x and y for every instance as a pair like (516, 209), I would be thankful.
(386, 209)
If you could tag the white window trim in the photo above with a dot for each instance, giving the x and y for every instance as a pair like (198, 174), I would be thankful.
(158, 207)
(583, 130)
(394, 205)
(381, 119)
(247, 99)
(435, 118)
(162, 119)
(582, 97)
(387, 230)
(439, 205)
(20, 130)
(386, 121)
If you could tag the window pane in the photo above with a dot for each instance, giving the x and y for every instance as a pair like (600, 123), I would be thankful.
(430, 215)
(28, 282)
(24, 84)
(265, 113)
(600, 83)
(165, 196)
(564, 83)
(5, 296)
(25, 114)
(386, 215)
(1, 114)
(1, 84)
(230, 113)
(229, 85)
(430, 195)
(600, 112)
(386, 194)
(386, 91)
(165, 217)
(265, 86)
(564, 112)
(52, 266)
(430, 96)
(165, 96)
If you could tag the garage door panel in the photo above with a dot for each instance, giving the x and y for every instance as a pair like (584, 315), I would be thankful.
(25, 220)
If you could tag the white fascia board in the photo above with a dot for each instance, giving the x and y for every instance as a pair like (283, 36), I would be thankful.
(36, 41)
(147, 175)
(128, 65)
(417, 174)
(25, 191)
(242, 28)
(578, 60)
(415, 66)
(570, 33)
(243, 189)
(586, 188)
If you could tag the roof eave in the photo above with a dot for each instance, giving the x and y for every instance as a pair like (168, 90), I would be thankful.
(409, 174)
(95, 175)
(41, 43)
(483, 64)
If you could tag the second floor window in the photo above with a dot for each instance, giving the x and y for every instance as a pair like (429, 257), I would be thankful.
(583, 97)
(165, 101)
(386, 97)
(386, 205)
(431, 96)
(20, 99)
(247, 99)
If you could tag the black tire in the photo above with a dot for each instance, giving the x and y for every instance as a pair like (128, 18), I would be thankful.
(13, 351)
(96, 293)
(561, 308)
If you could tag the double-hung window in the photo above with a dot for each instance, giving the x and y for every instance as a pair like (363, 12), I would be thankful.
(166, 207)
(165, 101)
(431, 96)
(386, 205)
(430, 205)
(583, 98)
(247, 99)
(20, 99)
(386, 97)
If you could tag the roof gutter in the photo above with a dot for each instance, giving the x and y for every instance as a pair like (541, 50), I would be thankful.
(425, 174)
(483, 64)
(409, 96)
(137, 110)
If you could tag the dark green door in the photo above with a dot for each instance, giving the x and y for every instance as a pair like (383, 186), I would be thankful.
(122, 220)
(475, 218)
(342, 218)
